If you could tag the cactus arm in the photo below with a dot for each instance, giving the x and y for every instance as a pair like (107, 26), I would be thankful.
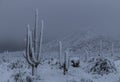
(41, 39)
(60, 52)
(26, 40)
(29, 60)
(24, 55)
(35, 32)
(28, 47)
(32, 50)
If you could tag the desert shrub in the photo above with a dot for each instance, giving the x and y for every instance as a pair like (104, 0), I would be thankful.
(86, 80)
(73, 80)
(18, 77)
(101, 66)
(29, 79)
(4, 59)
(80, 80)
(22, 77)
(16, 65)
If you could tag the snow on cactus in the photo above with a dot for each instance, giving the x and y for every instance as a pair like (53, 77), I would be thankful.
(34, 45)
(66, 61)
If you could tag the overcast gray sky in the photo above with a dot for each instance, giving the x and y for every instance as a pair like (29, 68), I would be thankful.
(61, 17)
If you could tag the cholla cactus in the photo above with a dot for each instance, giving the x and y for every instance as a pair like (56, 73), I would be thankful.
(34, 45)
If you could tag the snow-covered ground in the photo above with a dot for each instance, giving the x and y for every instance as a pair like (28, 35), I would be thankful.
(14, 63)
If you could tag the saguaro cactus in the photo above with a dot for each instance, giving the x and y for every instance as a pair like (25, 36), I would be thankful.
(112, 48)
(66, 62)
(60, 52)
(87, 54)
(34, 45)
(100, 48)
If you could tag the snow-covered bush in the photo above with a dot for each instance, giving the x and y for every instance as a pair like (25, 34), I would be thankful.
(86, 80)
(4, 59)
(75, 61)
(22, 76)
(80, 80)
(18, 77)
(53, 61)
(101, 66)
(91, 59)
(73, 80)
(16, 65)
(29, 79)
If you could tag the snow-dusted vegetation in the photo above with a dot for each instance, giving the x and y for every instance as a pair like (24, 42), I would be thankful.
(89, 60)
(16, 69)
(79, 58)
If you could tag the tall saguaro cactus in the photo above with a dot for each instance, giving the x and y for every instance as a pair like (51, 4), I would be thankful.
(34, 45)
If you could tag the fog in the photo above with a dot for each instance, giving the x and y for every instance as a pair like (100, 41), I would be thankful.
(61, 17)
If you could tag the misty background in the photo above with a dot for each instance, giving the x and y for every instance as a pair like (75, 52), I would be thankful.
(61, 17)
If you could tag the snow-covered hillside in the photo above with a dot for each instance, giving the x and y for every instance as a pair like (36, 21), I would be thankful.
(88, 57)
(80, 43)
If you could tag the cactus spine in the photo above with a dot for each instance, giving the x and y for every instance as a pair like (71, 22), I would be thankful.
(34, 45)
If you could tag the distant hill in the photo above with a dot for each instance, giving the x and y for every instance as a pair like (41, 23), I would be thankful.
(80, 42)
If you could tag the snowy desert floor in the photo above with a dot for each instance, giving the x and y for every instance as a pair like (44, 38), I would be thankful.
(13, 65)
